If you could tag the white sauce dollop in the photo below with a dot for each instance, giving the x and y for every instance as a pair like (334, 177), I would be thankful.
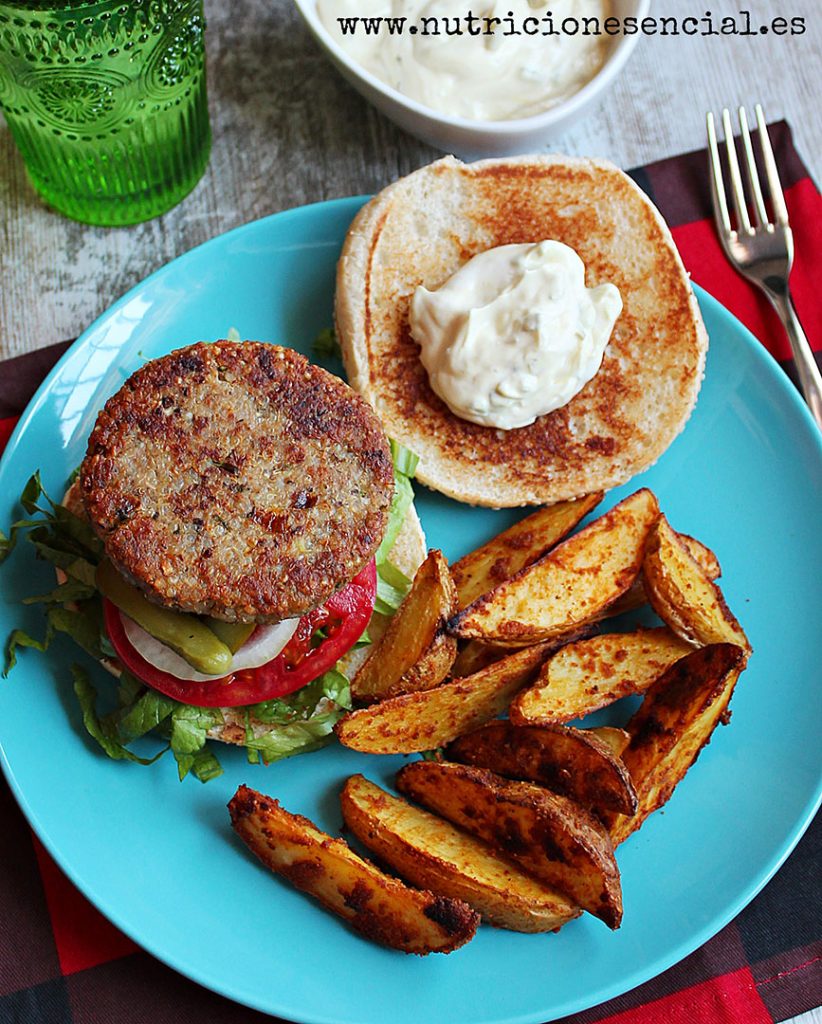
(514, 333)
(480, 77)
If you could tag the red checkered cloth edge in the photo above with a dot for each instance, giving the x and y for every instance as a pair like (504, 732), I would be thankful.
(61, 962)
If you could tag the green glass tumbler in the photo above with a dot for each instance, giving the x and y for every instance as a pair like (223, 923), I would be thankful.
(107, 103)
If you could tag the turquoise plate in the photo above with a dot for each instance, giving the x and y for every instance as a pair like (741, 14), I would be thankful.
(158, 857)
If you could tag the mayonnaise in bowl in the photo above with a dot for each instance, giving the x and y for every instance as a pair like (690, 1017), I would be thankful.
(494, 62)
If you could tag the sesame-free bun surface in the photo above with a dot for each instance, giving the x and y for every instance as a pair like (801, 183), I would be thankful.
(425, 226)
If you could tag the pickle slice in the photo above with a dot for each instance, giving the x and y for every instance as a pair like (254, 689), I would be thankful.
(185, 634)
(233, 634)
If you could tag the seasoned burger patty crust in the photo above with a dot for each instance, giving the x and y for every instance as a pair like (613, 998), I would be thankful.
(236, 479)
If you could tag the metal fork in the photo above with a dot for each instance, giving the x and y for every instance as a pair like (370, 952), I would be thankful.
(761, 249)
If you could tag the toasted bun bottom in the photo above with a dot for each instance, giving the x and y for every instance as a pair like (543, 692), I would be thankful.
(425, 226)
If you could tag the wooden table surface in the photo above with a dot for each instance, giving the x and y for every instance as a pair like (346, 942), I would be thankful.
(288, 130)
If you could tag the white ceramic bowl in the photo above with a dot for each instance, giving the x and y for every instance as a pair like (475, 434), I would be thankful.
(468, 138)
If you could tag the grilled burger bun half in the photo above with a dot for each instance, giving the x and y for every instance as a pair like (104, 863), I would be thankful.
(236, 483)
(424, 227)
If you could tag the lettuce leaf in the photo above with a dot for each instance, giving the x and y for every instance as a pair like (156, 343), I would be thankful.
(326, 346)
(58, 535)
(103, 729)
(20, 638)
(405, 461)
(304, 720)
(202, 764)
(142, 711)
(70, 591)
(393, 585)
(400, 503)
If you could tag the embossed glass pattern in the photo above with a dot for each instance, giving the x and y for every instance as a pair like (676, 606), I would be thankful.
(107, 103)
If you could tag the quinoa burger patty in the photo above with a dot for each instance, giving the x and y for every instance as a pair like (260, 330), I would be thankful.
(238, 480)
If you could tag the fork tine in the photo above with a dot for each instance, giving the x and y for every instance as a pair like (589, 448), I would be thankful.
(777, 198)
(737, 194)
(723, 220)
(753, 174)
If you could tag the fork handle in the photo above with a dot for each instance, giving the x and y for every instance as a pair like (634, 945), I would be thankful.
(810, 379)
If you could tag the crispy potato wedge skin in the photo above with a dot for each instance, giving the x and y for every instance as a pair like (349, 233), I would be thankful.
(684, 596)
(432, 718)
(550, 836)
(702, 555)
(636, 597)
(414, 653)
(674, 722)
(432, 854)
(476, 655)
(567, 761)
(571, 585)
(493, 563)
(381, 908)
(590, 674)
(616, 739)
(433, 666)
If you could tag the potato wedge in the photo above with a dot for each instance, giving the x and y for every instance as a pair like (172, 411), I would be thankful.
(591, 674)
(683, 595)
(432, 854)
(571, 585)
(434, 665)
(414, 653)
(485, 568)
(432, 718)
(380, 907)
(547, 834)
(616, 739)
(636, 597)
(702, 555)
(476, 655)
(674, 722)
(567, 761)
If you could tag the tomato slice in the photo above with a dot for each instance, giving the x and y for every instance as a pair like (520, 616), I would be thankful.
(342, 619)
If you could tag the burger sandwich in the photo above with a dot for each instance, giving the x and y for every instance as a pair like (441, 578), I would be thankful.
(221, 550)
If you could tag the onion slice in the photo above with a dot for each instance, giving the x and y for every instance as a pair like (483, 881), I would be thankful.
(264, 644)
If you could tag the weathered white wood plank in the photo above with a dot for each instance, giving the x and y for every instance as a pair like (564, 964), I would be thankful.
(287, 130)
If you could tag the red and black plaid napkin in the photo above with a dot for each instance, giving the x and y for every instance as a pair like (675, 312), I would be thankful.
(61, 962)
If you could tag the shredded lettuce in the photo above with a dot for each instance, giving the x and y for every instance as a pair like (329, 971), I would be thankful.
(304, 719)
(141, 710)
(146, 711)
(405, 461)
(103, 729)
(202, 764)
(83, 623)
(20, 638)
(393, 585)
(71, 590)
(400, 503)
(325, 345)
